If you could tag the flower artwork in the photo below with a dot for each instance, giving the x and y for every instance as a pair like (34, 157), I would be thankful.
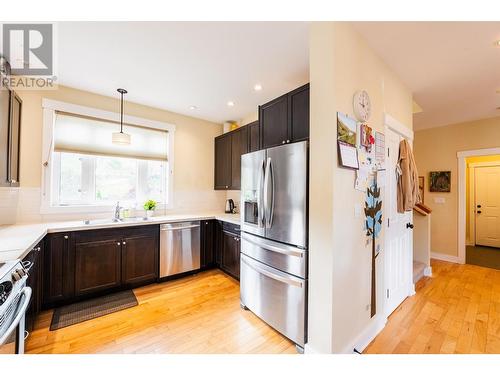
(373, 214)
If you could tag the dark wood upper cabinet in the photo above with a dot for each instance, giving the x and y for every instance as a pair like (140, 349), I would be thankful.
(14, 139)
(97, 266)
(139, 259)
(239, 146)
(4, 136)
(273, 117)
(253, 136)
(10, 130)
(222, 178)
(285, 119)
(298, 107)
(228, 150)
(58, 268)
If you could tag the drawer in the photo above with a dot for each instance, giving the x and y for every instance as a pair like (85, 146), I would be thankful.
(276, 297)
(230, 227)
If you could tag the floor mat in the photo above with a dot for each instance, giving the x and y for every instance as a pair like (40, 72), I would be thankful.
(93, 308)
(483, 256)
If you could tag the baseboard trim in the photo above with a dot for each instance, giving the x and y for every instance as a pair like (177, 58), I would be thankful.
(366, 337)
(445, 257)
(428, 271)
(308, 349)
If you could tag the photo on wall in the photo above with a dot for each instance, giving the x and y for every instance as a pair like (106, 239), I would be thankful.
(440, 182)
(346, 129)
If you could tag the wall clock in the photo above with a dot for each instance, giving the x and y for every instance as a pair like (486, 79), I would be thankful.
(362, 105)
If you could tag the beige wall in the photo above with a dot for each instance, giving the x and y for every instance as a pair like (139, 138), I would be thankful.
(436, 150)
(193, 151)
(340, 259)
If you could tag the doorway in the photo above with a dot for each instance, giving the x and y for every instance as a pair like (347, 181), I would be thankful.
(479, 207)
(398, 255)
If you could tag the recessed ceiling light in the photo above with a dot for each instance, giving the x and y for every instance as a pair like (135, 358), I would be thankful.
(257, 87)
(193, 107)
(230, 104)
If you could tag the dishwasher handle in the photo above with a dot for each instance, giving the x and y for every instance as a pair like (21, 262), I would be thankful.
(169, 228)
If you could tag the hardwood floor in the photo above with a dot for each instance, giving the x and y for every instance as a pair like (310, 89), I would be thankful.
(196, 314)
(455, 311)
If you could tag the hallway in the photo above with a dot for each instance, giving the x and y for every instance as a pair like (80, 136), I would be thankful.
(455, 311)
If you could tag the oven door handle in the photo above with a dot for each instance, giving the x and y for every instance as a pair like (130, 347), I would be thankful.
(19, 313)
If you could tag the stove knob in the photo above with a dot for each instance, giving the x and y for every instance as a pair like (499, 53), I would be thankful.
(21, 272)
(15, 276)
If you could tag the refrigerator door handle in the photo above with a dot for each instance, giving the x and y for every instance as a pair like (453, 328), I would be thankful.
(260, 192)
(258, 268)
(285, 250)
(269, 195)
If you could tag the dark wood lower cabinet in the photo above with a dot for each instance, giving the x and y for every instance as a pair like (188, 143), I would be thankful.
(35, 282)
(84, 264)
(58, 268)
(208, 244)
(231, 254)
(139, 259)
(97, 266)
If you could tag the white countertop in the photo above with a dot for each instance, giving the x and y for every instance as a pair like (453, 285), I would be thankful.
(16, 241)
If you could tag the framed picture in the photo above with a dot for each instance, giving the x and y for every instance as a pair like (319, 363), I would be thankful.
(421, 187)
(346, 129)
(440, 182)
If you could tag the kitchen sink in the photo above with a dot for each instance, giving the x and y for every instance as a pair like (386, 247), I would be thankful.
(111, 221)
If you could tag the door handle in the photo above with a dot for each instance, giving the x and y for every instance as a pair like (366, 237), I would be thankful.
(269, 196)
(478, 212)
(409, 225)
(22, 307)
(478, 206)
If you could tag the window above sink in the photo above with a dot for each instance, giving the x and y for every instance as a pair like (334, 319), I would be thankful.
(84, 172)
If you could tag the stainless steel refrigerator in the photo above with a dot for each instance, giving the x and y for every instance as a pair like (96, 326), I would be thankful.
(274, 217)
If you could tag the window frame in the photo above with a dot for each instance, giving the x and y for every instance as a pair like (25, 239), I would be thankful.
(50, 107)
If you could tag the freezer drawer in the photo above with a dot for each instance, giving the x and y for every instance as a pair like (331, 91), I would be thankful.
(274, 296)
(179, 248)
(286, 258)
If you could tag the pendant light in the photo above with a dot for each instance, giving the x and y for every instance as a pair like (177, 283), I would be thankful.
(121, 138)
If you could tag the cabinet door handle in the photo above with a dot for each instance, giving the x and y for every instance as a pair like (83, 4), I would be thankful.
(118, 243)
(124, 243)
(283, 142)
(66, 237)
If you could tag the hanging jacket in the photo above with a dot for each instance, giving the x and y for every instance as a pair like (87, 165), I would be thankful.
(408, 193)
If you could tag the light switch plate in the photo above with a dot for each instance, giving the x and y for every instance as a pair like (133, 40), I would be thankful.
(440, 200)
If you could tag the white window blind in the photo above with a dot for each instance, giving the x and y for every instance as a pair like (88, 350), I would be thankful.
(86, 135)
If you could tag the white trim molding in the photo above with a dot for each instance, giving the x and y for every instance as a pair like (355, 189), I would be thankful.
(428, 271)
(367, 335)
(445, 257)
(462, 189)
(398, 127)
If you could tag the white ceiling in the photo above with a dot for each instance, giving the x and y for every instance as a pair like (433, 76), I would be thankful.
(452, 68)
(175, 65)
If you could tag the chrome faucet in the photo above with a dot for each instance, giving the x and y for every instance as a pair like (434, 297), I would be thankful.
(117, 211)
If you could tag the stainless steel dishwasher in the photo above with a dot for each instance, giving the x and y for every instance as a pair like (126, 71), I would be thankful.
(179, 247)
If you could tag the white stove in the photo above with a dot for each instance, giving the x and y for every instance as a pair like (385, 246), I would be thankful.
(14, 301)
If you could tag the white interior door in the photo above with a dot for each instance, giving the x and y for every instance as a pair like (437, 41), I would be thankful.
(398, 257)
(487, 205)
